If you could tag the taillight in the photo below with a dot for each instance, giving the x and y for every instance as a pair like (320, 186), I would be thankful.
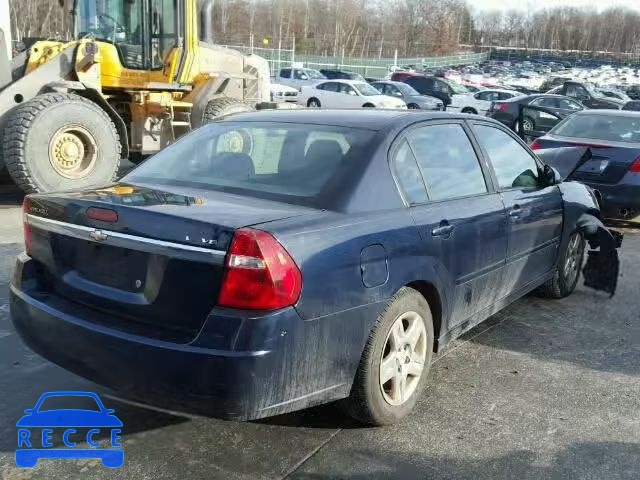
(499, 106)
(27, 228)
(535, 145)
(102, 214)
(635, 166)
(260, 274)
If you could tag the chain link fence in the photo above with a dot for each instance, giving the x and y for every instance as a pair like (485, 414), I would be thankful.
(368, 67)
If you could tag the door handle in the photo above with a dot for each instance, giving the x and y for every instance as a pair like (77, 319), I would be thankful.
(444, 230)
(515, 211)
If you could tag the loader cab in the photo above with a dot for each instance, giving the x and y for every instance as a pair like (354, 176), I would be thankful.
(146, 33)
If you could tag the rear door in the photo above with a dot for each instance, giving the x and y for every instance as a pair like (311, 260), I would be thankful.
(534, 213)
(461, 219)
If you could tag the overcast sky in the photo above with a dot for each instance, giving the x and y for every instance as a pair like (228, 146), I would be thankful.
(530, 4)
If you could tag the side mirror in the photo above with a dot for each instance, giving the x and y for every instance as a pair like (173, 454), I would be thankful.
(550, 176)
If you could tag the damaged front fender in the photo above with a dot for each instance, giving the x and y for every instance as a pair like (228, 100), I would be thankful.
(581, 212)
(602, 268)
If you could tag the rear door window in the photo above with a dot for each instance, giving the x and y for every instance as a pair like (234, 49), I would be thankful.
(407, 173)
(450, 168)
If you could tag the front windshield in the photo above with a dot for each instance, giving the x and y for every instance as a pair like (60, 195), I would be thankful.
(406, 89)
(313, 74)
(456, 87)
(591, 88)
(366, 89)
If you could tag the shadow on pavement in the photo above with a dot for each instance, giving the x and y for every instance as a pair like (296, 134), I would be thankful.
(596, 460)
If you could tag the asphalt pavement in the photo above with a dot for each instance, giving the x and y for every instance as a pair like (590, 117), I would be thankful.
(544, 389)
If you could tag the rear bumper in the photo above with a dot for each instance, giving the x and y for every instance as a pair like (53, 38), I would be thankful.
(620, 201)
(284, 370)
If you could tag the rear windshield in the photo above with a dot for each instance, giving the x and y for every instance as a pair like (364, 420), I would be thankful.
(289, 162)
(612, 128)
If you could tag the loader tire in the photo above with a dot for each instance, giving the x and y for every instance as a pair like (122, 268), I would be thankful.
(219, 107)
(60, 141)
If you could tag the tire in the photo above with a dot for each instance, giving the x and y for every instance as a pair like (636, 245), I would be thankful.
(221, 106)
(528, 125)
(313, 103)
(566, 274)
(373, 402)
(39, 130)
(413, 106)
(469, 110)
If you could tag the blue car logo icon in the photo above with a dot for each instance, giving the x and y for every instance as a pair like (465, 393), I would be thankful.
(97, 421)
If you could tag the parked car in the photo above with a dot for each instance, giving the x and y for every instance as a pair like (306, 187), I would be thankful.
(614, 167)
(411, 97)
(507, 111)
(341, 75)
(283, 93)
(553, 81)
(346, 94)
(298, 77)
(401, 75)
(633, 105)
(438, 87)
(297, 257)
(587, 94)
(614, 93)
(633, 91)
(480, 102)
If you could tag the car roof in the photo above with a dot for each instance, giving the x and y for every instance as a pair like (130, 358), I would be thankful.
(532, 96)
(499, 90)
(343, 80)
(609, 113)
(370, 119)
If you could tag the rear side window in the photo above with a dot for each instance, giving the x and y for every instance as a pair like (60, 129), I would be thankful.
(407, 173)
(513, 165)
(285, 73)
(279, 161)
(330, 86)
(448, 162)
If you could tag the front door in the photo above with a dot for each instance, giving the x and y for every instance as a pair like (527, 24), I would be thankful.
(534, 212)
(461, 220)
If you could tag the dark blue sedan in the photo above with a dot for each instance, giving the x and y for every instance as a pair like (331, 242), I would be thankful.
(613, 169)
(273, 261)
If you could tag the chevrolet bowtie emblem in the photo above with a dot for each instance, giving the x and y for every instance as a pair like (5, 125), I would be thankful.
(98, 236)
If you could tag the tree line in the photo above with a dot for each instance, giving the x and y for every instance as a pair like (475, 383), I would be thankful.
(379, 28)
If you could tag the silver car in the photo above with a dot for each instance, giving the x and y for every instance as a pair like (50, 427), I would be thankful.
(411, 97)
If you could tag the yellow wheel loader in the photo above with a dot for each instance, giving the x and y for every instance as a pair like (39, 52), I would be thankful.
(136, 75)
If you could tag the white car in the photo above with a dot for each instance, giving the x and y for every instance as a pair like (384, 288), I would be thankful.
(346, 94)
(298, 77)
(283, 93)
(480, 102)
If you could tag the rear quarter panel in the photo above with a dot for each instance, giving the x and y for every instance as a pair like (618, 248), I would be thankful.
(334, 252)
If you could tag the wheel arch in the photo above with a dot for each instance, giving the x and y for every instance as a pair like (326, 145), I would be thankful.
(432, 296)
(95, 97)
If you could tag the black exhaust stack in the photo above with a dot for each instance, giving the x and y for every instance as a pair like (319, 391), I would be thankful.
(206, 21)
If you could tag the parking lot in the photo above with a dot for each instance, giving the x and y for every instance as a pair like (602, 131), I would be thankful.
(544, 389)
